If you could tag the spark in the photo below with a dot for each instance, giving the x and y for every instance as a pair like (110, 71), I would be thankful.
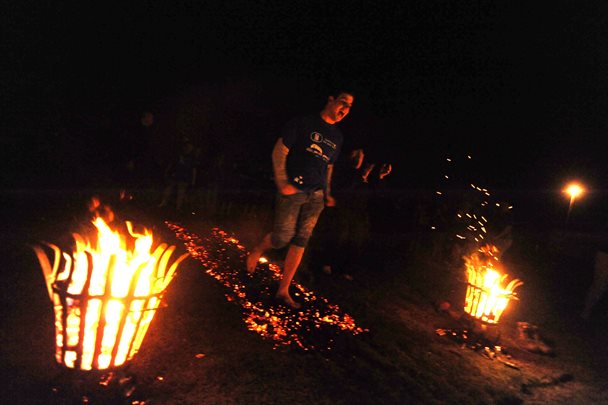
(476, 206)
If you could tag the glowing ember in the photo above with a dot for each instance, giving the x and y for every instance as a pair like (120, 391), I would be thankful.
(105, 294)
(486, 298)
(315, 326)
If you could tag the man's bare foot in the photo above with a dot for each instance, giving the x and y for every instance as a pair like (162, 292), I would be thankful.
(252, 260)
(287, 300)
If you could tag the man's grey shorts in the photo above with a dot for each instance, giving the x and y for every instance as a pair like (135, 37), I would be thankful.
(295, 217)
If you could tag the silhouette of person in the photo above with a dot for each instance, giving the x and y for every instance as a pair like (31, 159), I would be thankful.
(348, 224)
(181, 175)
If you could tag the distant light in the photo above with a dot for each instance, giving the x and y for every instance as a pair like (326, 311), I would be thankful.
(574, 190)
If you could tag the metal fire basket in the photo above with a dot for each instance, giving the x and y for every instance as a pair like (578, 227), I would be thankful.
(103, 311)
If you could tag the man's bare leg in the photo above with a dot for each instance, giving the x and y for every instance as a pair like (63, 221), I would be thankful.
(292, 262)
(257, 252)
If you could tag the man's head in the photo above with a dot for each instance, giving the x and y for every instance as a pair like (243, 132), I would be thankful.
(337, 107)
(147, 119)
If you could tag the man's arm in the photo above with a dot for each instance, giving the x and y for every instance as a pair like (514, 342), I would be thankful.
(279, 166)
(330, 201)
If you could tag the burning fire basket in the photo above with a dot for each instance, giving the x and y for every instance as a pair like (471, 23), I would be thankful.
(105, 295)
(486, 297)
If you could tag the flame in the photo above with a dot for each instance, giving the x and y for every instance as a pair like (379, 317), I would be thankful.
(486, 297)
(105, 294)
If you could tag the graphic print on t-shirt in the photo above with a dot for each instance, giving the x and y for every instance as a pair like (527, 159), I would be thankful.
(318, 150)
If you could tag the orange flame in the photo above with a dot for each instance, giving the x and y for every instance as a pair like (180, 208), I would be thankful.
(486, 297)
(105, 294)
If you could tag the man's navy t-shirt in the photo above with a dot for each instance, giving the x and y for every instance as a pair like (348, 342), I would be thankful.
(313, 144)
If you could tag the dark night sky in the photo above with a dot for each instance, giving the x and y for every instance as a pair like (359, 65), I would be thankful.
(522, 87)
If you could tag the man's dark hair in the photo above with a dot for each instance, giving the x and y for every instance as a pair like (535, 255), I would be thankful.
(335, 92)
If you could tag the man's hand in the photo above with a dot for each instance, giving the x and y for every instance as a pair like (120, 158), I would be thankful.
(366, 171)
(385, 170)
(288, 189)
(330, 201)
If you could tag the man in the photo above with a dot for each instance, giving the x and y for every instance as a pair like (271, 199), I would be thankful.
(303, 159)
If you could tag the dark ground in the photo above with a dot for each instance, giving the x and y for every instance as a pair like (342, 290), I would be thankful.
(198, 350)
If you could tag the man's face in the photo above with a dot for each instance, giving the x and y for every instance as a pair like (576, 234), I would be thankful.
(339, 107)
(147, 119)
